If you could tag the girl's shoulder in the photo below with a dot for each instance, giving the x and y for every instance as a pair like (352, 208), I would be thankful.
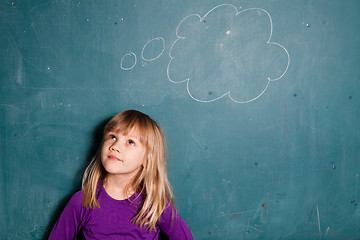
(78, 195)
(76, 199)
(169, 210)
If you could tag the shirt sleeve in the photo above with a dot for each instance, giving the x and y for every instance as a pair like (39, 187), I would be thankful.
(173, 226)
(69, 223)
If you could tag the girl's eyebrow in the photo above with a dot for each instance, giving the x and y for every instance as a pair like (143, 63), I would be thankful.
(132, 136)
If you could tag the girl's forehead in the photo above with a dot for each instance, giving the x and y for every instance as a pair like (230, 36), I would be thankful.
(134, 132)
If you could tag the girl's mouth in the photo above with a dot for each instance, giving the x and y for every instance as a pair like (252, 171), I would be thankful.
(114, 158)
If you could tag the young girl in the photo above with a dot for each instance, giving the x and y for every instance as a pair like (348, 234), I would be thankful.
(125, 190)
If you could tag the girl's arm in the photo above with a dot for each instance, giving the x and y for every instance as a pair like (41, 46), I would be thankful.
(69, 223)
(173, 226)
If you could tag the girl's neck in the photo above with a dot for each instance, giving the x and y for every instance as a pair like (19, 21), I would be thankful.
(117, 188)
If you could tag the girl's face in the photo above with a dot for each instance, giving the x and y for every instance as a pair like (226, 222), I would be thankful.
(123, 155)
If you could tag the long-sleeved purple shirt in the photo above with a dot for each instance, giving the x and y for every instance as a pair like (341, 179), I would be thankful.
(113, 220)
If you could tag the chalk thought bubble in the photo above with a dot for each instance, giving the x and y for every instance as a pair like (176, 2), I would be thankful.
(226, 52)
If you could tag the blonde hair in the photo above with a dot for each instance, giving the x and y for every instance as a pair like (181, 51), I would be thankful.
(151, 180)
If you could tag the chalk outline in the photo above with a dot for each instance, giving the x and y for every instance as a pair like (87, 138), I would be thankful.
(152, 59)
(229, 92)
(318, 218)
(128, 54)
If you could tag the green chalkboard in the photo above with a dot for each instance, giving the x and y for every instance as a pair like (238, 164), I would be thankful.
(259, 101)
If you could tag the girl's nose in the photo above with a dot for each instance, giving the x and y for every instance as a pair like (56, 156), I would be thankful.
(115, 147)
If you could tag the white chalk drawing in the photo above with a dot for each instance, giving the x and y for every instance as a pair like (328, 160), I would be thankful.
(217, 47)
(162, 51)
(223, 53)
(130, 54)
(318, 218)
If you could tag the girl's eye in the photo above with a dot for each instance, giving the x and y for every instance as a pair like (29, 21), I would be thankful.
(130, 142)
(112, 137)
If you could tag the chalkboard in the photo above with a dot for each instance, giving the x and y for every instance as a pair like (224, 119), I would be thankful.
(259, 101)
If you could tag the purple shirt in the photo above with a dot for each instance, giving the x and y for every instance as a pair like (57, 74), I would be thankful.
(113, 220)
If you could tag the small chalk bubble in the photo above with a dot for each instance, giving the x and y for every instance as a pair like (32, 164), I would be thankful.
(228, 32)
(132, 55)
(333, 167)
(221, 45)
(307, 25)
(121, 19)
(13, 4)
(48, 68)
(88, 20)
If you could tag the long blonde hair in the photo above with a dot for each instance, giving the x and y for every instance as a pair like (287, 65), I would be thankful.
(151, 180)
